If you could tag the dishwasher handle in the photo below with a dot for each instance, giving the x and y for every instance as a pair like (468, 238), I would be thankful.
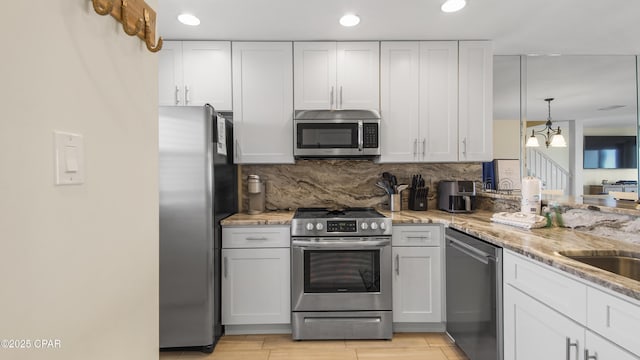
(469, 250)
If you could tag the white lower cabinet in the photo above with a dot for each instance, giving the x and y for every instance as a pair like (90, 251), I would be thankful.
(417, 274)
(255, 281)
(416, 284)
(532, 331)
(255, 286)
(598, 348)
(537, 324)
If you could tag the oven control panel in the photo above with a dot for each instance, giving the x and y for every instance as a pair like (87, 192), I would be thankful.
(341, 226)
(360, 227)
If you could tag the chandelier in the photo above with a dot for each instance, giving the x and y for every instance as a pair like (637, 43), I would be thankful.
(551, 136)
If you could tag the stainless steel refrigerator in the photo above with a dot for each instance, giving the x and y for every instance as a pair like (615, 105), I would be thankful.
(197, 181)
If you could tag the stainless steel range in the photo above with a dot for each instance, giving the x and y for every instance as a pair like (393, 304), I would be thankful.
(341, 274)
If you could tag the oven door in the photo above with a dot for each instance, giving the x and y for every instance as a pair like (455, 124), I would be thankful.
(341, 274)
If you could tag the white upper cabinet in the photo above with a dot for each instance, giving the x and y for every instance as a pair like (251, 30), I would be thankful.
(476, 101)
(437, 101)
(263, 102)
(419, 84)
(399, 97)
(330, 75)
(193, 73)
(314, 75)
(358, 75)
(170, 77)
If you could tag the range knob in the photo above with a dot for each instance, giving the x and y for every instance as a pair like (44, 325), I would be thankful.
(319, 226)
(383, 226)
(309, 226)
(364, 226)
(374, 226)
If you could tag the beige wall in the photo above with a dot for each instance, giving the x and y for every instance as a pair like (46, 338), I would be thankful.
(78, 263)
(506, 139)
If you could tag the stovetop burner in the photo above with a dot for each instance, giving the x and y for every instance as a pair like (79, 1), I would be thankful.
(326, 213)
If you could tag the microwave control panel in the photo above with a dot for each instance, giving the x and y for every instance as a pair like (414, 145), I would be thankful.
(370, 135)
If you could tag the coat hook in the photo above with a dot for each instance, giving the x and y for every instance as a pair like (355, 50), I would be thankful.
(127, 30)
(147, 34)
(101, 8)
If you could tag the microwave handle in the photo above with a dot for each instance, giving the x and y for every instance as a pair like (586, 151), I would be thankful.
(360, 135)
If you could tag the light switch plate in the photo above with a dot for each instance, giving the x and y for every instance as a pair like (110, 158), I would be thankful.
(69, 154)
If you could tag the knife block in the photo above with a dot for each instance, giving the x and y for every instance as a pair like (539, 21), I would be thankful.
(418, 199)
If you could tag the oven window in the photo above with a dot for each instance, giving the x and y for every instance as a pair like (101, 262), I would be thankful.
(331, 271)
(330, 136)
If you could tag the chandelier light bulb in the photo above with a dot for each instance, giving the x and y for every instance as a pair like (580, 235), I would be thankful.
(532, 141)
(558, 140)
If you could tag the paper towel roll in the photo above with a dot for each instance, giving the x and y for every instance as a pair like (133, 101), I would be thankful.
(531, 195)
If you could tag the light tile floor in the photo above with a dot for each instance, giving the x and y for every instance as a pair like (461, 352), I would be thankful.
(403, 346)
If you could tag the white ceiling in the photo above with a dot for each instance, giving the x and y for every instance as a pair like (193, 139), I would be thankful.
(580, 85)
(598, 90)
(515, 26)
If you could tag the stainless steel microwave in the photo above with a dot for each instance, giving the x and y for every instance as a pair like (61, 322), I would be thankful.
(336, 133)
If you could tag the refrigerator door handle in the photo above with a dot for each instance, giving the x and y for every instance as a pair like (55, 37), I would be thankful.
(226, 267)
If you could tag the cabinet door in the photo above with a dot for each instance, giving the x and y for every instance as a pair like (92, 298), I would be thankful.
(476, 101)
(207, 73)
(314, 75)
(263, 102)
(603, 349)
(417, 294)
(438, 137)
(399, 95)
(532, 331)
(255, 286)
(170, 85)
(358, 76)
(614, 318)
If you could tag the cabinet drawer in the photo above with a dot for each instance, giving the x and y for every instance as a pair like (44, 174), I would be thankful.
(614, 318)
(561, 293)
(256, 237)
(417, 235)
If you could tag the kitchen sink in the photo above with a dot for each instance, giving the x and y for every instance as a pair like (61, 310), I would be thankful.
(626, 264)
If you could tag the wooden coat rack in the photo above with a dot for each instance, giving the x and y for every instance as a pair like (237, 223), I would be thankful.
(136, 17)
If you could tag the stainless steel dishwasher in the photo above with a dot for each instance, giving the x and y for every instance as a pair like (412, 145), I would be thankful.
(474, 295)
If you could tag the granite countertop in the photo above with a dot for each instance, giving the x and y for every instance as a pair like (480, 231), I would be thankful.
(603, 203)
(540, 244)
(265, 218)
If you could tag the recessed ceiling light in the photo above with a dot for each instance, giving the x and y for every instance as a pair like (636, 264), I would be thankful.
(349, 20)
(189, 19)
(453, 5)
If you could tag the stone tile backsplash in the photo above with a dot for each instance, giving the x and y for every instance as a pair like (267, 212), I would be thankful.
(342, 183)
